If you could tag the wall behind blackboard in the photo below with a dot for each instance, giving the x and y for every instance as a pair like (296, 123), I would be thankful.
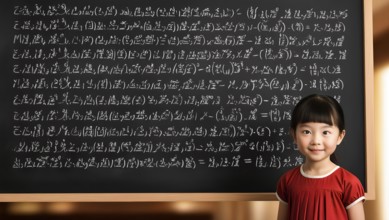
(172, 96)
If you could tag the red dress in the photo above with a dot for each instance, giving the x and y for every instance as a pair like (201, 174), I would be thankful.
(324, 197)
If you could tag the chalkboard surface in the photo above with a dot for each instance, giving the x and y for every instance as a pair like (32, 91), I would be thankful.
(170, 95)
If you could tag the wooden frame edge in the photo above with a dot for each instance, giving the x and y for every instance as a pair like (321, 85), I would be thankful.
(154, 197)
(136, 197)
(369, 99)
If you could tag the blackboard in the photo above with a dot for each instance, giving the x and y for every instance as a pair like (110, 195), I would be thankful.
(173, 96)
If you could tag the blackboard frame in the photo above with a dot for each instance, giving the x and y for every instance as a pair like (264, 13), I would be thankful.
(126, 197)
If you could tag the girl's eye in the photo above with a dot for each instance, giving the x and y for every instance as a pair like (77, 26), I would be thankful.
(306, 132)
(326, 132)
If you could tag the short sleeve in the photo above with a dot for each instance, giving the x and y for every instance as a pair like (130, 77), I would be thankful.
(282, 190)
(353, 192)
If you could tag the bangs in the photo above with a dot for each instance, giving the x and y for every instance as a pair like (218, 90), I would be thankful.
(320, 109)
(317, 113)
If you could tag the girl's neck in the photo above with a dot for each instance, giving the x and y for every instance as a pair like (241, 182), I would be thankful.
(318, 168)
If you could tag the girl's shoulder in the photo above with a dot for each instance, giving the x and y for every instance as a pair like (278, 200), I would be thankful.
(295, 171)
(346, 176)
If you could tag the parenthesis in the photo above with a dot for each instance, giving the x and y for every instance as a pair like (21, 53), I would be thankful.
(283, 29)
(302, 29)
(260, 99)
(287, 52)
(290, 54)
(295, 72)
(194, 68)
(171, 115)
(292, 26)
(217, 115)
(234, 129)
(205, 132)
(271, 84)
(260, 54)
(204, 41)
(232, 68)
(302, 85)
(287, 40)
(268, 129)
(157, 12)
(114, 54)
(344, 26)
(116, 11)
(91, 41)
(150, 56)
(259, 26)
(213, 27)
(144, 99)
(123, 40)
(283, 146)
(212, 69)
(341, 82)
(241, 117)
(133, 100)
(182, 99)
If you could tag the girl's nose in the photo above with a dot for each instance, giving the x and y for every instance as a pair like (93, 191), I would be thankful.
(316, 140)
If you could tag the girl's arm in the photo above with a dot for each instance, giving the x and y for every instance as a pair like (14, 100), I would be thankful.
(356, 212)
(282, 211)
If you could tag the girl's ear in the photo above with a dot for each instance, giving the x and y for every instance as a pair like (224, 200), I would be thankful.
(341, 136)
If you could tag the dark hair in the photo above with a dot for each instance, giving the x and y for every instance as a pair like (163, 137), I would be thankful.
(318, 108)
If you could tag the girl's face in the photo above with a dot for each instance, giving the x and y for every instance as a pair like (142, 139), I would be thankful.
(317, 141)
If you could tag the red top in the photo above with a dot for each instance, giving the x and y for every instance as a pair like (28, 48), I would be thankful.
(319, 197)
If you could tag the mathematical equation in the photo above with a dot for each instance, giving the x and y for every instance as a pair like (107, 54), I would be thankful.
(66, 83)
(176, 68)
(274, 162)
(97, 87)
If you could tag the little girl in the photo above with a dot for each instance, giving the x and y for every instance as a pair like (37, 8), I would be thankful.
(319, 189)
